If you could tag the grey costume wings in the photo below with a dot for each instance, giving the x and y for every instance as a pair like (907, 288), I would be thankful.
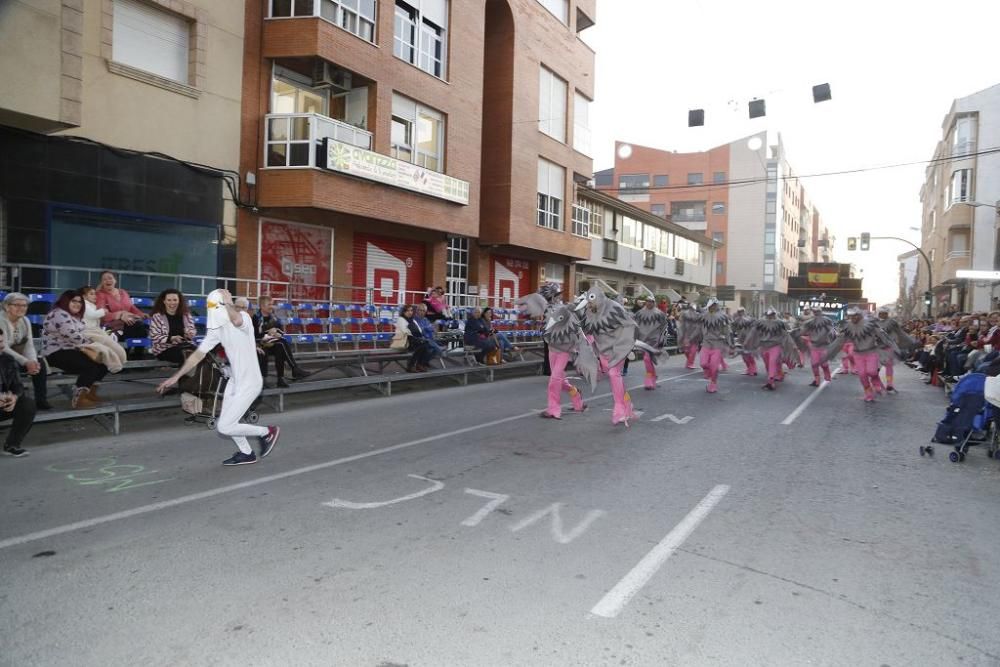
(689, 329)
(609, 324)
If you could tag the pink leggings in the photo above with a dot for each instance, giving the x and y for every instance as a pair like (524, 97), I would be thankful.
(772, 361)
(623, 402)
(867, 366)
(650, 381)
(558, 384)
(818, 356)
(691, 352)
(711, 360)
(751, 364)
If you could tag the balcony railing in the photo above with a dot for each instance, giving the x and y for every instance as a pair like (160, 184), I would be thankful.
(957, 254)
(354, 17)
(296, 139)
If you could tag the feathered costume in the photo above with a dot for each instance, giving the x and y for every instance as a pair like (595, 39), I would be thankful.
(895, 333)
(870, 346)
(741, 327)
(818, 332)
(610, 329)
(565, 341)
(770, 338)
(689, 334)
(650, 327)
(715, 335)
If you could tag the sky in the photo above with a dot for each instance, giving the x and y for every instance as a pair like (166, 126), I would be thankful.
(894, 68)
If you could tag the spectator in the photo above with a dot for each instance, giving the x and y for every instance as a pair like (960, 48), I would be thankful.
(113, 354)
(171, 328)
(427, 329)
(477, 335)
(269, 332)
(16, 330)
(501, 338)
(437, 308)
(415, 341)
(121, 315)
(14, 405)
(65, 346)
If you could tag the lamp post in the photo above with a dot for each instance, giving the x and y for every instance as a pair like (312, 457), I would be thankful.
(930, 268)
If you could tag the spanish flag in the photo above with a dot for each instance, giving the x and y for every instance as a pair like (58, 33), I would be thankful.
(823, 278)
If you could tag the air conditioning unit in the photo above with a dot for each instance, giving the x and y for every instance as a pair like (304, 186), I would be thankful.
(328, 75)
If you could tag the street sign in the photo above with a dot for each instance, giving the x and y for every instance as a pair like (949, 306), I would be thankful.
(725, 293)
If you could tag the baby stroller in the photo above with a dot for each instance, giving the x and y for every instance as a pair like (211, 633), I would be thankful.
(203, 391)
(969, 420)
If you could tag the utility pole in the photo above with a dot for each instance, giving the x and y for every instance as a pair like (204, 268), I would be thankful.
(865, 244)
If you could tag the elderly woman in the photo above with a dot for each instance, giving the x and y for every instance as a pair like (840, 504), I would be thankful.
(14, 405)
(407, 327)
(121, 314)
(16, 331)
(171, 328)
(65, 345)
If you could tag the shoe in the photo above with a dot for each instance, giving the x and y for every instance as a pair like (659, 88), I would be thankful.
(43, 405)
(546, 415)
(814, 383)
(92, 393)
(769, 386)
(282, 383)
(267, 442)
(239, 459)
(889, 389)
(81, 399)
(299, 374)
(583, 409)
(16, 452)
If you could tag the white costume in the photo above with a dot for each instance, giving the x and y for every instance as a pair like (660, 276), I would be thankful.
(245, 381)
(113, 355)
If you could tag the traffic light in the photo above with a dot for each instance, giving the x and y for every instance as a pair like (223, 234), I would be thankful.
(852, 243)
(928, 298)
(866, 240)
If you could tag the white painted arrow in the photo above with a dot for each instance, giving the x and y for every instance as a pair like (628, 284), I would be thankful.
(435, 486)
(682, 420)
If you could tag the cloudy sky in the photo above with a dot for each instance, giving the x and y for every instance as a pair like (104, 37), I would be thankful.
(894, 68)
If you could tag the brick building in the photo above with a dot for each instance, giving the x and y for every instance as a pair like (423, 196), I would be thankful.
(399, 145)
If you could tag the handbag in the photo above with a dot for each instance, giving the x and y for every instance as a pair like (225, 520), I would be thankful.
(398, 341)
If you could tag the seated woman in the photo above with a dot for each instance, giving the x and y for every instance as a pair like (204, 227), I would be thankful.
(121, 315)
(437, 307)
(171, 327)
(112, 354)
(406, 326)
(501, 338)
(427, 329)
(477, 335)
(66, 346)
(268, 330)
(14, 405)
(16, 330)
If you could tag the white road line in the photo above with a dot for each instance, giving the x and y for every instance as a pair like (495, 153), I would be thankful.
(805, 404)
(682, 420)
(183, 500)
(615, 600)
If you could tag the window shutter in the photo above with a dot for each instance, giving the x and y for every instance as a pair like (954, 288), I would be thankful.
(435, 11)
(151, 39)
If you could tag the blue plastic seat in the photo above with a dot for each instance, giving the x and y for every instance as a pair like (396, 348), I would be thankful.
(45, 297)
(196, 303)
(130, 343)
(142, 301)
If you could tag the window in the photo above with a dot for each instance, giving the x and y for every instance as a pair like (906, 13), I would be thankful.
(687, 211)
(609, 251)
(666, 244)
(560, 8)
(633, 184)
(964, 140)
(659, 209)
(417, 133)
(581, 124)
(596, 220)
(354, 16)
(661, 181)
(581, 218)
(148, 38)
(961, 186)
(651, 238)
(720, 268)
(718, 208)
(719, 177)
(631, 235)
(679, 267)
(771, 206)
(551, 104)
(420, 34)
(551, 194)
(719, 237)
(695, 179)
(457, 270)
(648, 259)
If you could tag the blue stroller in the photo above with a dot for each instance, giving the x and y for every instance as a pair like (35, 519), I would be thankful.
(969, 420)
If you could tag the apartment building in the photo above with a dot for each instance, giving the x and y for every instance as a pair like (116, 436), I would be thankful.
(96, 95)
(635, 252)
(743, 195)
(391, 149)
(960, 198)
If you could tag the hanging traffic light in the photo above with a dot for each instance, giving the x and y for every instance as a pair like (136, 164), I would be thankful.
(852, 243)
(866, 240)
(928, 298)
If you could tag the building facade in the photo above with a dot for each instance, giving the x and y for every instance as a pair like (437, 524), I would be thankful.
(743, 195)
(389, 151)
(119, 134)
(635, 252)
(960, 198)
(910, 302)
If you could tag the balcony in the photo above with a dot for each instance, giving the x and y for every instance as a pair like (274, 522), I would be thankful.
(358, 20)
(296, 139)
(957, 254)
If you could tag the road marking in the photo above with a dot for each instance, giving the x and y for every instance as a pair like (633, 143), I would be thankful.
(805, 404)
(347, 504)
(497, 500)
(211, 493)
(682, 420)
(615, 600)
(557, 525)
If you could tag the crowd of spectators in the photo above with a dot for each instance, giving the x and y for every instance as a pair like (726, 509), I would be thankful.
(952, 345)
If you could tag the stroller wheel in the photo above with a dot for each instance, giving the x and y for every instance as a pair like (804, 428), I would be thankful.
(253, 417)
(923, 450)
(210, 423)
(954, 457)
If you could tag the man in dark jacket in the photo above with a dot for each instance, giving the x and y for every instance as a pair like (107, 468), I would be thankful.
(13, 403)
(268, 330)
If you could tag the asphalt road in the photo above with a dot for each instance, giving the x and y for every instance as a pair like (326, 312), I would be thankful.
(455, 527)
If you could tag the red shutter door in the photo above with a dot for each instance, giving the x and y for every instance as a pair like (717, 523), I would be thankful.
(510, 278)
(391, 270)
